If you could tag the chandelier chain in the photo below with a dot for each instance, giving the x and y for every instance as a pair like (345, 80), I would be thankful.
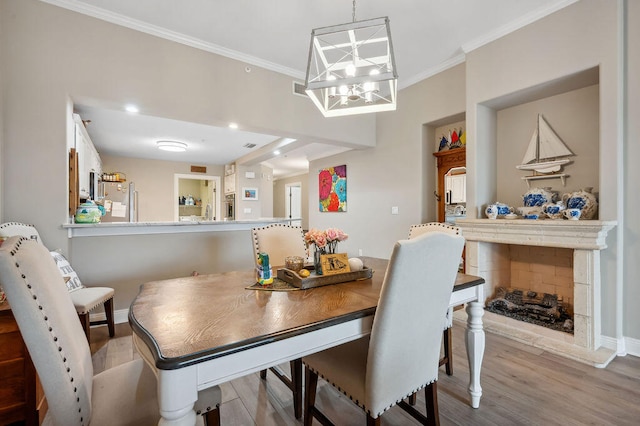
(354, 11)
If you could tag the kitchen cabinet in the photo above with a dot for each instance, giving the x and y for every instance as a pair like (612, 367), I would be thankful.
(88, 157)
(22, 399)
(455, 188)
(230, 184)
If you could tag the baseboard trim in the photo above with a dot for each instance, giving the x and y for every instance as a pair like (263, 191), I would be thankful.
(632, 346)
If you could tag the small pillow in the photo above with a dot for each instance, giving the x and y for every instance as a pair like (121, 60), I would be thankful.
(69, 275)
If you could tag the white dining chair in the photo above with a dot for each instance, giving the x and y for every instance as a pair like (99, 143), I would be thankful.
(414, 231)
(124, 395)
(85, 299)
(401, 354)
(280, 241)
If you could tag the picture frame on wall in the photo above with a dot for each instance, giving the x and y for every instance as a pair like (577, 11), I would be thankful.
(249, 193)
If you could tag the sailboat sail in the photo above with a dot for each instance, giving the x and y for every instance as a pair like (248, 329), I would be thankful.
(546, 152)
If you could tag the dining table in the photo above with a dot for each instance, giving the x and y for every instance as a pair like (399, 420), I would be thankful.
(200, 331)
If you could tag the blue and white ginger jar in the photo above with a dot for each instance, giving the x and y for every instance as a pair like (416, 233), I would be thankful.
(583, 200)
(536, 197)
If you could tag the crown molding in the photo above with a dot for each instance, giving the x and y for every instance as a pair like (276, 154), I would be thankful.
(177, 37)
(521, 22)
(174, 36)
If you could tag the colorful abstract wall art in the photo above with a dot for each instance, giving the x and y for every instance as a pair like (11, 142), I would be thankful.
(332, 188)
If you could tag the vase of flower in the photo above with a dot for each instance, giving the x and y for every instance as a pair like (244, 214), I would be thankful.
(317, 265)
(324, 242)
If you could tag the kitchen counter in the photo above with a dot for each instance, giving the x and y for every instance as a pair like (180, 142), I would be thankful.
(138, 228)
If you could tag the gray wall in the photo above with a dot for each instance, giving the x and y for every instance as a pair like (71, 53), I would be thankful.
(51, 56)
(154, 180)
(575, 117)
(630, 250)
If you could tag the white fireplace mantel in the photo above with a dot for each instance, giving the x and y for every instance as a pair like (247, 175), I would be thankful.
(575, 234)
(487, 252)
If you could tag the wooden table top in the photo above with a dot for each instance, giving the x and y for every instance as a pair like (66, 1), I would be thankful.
(193, 319)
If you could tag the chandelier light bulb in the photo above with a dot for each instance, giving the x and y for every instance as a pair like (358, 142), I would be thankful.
(350, 70)
(332, 89)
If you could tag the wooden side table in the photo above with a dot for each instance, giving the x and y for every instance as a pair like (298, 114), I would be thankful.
(22, 399)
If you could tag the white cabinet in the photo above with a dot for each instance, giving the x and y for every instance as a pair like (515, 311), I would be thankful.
(88, 157)
(455, 189)
(230, 184)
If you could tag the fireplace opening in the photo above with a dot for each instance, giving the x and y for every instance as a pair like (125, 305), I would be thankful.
(535, 286)
(546, 310)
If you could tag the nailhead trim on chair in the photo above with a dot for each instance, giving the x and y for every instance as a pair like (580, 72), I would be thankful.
(355, 401)
(436, 224)
(50, 329)
(273, 225)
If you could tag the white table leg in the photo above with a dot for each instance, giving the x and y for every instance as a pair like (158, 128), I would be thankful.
(177, 392)
(475, 349)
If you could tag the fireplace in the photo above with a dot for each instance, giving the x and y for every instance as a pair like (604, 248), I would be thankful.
(564, 252)
(538, 288)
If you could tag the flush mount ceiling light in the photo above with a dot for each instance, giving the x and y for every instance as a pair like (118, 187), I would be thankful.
(172, 146)
(351, 68)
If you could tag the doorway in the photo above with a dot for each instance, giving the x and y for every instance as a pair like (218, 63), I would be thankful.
(196, 198)
(293, 202)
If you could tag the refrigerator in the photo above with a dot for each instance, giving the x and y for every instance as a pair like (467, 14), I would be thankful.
(120, 201)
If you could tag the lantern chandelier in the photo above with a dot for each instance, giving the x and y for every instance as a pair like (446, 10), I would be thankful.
(351, 68)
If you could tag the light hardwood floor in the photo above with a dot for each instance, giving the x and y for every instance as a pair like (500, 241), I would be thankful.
(521, 386)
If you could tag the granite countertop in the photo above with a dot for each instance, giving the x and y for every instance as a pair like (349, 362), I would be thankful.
(131, 228)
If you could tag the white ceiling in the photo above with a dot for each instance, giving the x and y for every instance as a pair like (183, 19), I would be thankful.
(428, 37)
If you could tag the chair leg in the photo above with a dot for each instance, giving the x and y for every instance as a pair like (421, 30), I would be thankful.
(86, 325)
(296, 383)
(311, 381)
(212, 418)
(431, 397)
(263, 374)
(413, 398)
(373, 422)
(108, 310)
(448, 351)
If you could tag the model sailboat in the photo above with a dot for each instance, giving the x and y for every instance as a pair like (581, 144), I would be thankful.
(546, 152)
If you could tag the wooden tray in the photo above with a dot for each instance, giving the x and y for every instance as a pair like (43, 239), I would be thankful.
(314, 280)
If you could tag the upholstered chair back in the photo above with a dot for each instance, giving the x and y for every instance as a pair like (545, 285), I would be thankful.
(50, 328)
(416, 230)
(279, 241)
(11, 229)
(404, 346)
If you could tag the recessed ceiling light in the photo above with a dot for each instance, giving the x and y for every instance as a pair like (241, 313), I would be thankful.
(132, 108)
(276, 152)
(172, 146)
(233, 125)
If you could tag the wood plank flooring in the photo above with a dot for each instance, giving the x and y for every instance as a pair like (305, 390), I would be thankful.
(521, 386)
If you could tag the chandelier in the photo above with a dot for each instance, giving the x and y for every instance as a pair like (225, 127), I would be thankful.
(351, 68)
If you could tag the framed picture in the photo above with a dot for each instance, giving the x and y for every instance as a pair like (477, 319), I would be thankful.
(249, 193)
(332, 189)
(332, 264)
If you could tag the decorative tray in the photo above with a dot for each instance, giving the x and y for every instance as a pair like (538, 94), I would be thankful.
(314, 280)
